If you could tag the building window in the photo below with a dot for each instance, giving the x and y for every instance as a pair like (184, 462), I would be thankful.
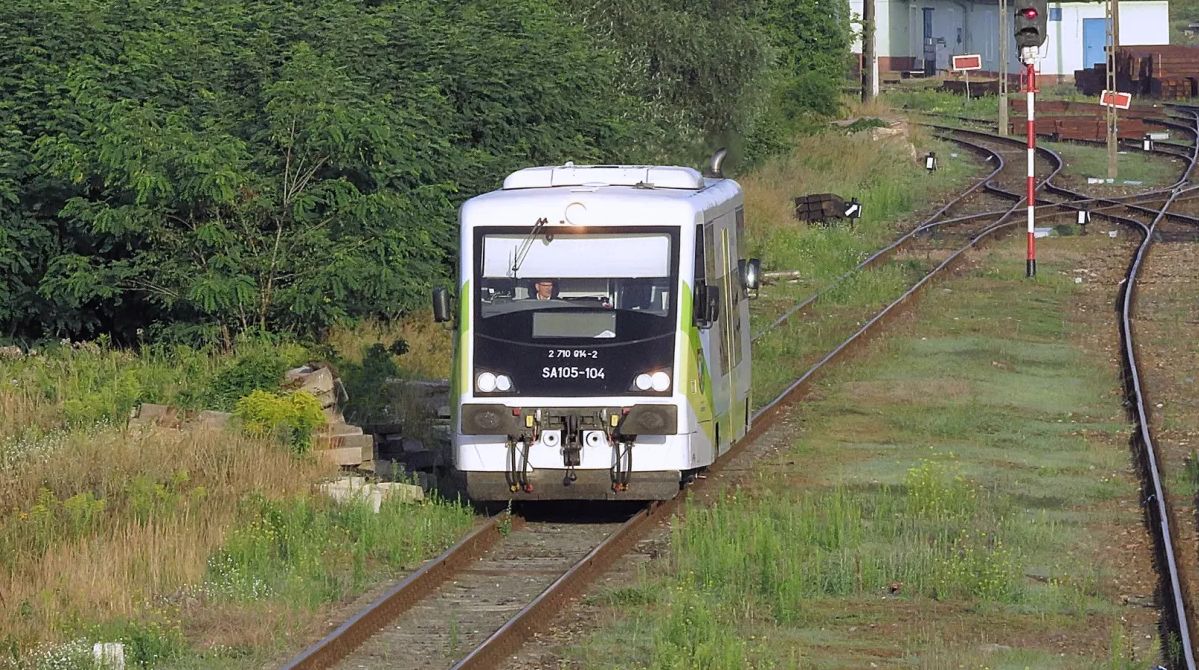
(1055, 13)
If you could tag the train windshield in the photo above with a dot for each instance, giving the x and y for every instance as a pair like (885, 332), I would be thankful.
(547, 283)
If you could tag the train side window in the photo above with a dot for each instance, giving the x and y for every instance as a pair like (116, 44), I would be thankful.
(737, 295)
(710, 251)
(729, 313)
(699, 254)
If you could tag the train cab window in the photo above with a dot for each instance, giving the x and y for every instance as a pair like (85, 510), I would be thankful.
(570, 284)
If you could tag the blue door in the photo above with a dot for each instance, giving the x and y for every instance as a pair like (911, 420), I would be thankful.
(930, 46)
(1094, 42)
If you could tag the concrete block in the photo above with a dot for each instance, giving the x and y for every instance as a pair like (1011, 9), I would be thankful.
(400, 491)
(214, 420)
(349, 489)
(364, 442)
(153, 414)
(109, 655)
(344, 455)
(341, 429)
(152, 411)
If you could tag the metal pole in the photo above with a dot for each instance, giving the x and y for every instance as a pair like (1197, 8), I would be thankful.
(1003, 59)
(1113, 31)
(967, 74)
(869, 54)
(1031, 261)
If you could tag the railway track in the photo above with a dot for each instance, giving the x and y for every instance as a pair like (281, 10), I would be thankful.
(1152, 217)
(476, 604)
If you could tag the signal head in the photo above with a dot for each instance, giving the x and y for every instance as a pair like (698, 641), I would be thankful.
(1030, 24)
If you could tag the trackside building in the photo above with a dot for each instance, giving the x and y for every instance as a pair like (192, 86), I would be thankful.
(922, 36)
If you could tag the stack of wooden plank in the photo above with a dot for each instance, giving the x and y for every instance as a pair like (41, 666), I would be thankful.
(1086, 121)
(1084, 128)
(1162, 71)
(1074, 108)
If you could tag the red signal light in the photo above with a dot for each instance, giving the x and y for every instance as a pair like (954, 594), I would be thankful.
(1029, 12)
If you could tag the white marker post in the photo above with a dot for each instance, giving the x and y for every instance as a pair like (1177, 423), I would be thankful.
(1028, 55)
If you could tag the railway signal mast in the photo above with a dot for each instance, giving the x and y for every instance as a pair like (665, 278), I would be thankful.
(1030, 24)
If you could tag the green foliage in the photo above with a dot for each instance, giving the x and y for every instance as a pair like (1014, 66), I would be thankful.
(290, 418)
(694, 634)
(149, 499)
(93, 383)
(148, 643)
(111, 401)
(366, 383)
(201, 169)
(259, 369)
(47, 521)
(935, 537)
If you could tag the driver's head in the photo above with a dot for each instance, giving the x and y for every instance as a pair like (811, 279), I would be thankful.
(544, 288)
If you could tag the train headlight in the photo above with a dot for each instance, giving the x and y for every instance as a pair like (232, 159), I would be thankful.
(652, 381)
(490, 382)
(661, 381)
(485, 382)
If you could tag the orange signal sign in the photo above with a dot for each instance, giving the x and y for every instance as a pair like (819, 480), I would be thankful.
(967, 62)
(1115, 99)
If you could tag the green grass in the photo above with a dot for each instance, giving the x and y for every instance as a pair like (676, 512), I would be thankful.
(196, 549)
(306, 552)
(935, 510)
(1090, 160)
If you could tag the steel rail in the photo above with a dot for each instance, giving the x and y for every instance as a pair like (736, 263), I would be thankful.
(1077, 196)
(398, 599)
(1149, 448)
(879, 255)
(501, 644)
(1144, 435)
(509, 637)
(929, 224)
(337, 644)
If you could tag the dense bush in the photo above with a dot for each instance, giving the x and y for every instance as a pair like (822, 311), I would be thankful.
(290, 418)
(201, 168)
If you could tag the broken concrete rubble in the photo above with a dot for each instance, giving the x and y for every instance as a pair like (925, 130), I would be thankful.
(349, 489)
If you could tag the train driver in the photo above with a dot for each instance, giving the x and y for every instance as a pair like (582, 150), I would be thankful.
(544, 289)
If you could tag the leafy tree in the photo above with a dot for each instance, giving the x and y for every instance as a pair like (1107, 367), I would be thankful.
(202, 168)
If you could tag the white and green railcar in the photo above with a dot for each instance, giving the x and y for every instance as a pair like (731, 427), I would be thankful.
(602, 341)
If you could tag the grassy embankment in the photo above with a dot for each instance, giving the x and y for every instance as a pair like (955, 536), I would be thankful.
(962, 497)
(895, 191)
(195, 549)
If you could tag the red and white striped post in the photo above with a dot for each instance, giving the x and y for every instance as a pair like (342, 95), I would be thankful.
(1031, 262)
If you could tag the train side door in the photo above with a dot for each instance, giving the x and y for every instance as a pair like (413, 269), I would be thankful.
(709, 338)
(716, 340)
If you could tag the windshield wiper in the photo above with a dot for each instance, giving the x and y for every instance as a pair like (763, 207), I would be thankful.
(518, 257)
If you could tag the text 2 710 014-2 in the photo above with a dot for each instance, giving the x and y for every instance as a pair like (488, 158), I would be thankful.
(573, 353)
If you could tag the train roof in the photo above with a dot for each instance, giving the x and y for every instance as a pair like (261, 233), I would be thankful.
(591, 194)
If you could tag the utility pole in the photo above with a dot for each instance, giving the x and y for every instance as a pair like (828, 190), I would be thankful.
(1113, 33)
(1003, 58)
(869, 55)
